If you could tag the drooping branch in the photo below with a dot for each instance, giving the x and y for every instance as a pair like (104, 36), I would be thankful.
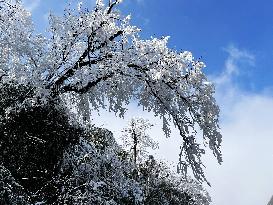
(190, 149)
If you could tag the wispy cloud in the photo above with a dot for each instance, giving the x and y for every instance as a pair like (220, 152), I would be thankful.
(236, 61)
(237, 64)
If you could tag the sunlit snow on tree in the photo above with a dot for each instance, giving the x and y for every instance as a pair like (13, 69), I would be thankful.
(95, 59)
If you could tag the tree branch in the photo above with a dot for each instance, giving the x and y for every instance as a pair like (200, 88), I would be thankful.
(111, 6)
(80, 63)
(84, 89)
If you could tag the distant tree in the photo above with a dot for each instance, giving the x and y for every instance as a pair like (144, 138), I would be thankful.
(97, 53)
(136, 140)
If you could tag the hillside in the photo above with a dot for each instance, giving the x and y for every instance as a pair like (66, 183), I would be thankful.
(48, 158)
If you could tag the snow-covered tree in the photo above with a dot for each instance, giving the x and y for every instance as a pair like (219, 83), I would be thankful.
(98, 53)
(136, 140)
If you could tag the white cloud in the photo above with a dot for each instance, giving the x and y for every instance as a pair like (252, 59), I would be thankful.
(31, 5)
(245, 178)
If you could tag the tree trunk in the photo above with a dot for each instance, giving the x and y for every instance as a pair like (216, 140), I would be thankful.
(135, 146)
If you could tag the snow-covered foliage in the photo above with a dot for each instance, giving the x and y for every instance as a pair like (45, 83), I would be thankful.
(10, 191)
(98, 175)
(100, 54)
(20, 50)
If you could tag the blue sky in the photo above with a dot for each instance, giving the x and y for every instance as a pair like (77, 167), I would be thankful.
(235, 40)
